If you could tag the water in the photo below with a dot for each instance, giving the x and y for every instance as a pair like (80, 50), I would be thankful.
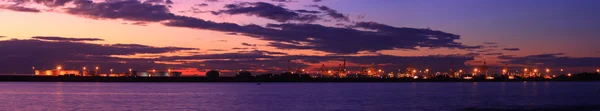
(419, 96)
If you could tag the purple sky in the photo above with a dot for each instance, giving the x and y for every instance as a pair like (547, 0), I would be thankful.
(263, 35)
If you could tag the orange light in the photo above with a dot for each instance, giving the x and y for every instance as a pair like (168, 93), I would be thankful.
(84, 68)
(414, 71)
(569, 74)
(97, 67)
(562, 70)
(475, 69)
(58, 68)
(504, 70)
(460, 71)
(525, 69)
(535, 70)
(130, 70)
(547, 70)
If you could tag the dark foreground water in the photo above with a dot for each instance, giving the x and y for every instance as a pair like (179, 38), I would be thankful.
(419, 96)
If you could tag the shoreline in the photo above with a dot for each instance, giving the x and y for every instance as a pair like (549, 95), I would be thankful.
(15, 78)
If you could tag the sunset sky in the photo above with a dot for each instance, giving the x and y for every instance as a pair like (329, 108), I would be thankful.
(268, 36)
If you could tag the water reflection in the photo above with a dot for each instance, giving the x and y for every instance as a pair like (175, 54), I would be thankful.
(475, 96)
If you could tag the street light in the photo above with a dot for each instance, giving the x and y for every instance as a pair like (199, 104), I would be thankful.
(130, 72)
(58, 70)
(33, 68)
(83, 72)
(97, 68)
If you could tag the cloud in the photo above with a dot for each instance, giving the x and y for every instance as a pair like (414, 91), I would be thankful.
(248, 44)
(511, 49)
(213, 0)
(317, 0)
(333, 39)
(333, 13)
(23, 54)
(553, 60)
(51, 38)
(2, 36)
(19, 8)
(239, 48)
(490, 43)
(201, 5)
(158, 2)
(127, 10)
(362, 36)
(216, 50)
(282, 0)
(266, 10)
(307, 11)
(493, 54)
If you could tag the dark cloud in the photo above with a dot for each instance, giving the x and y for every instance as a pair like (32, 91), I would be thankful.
(554, 60)
(24, 54)
(216, 50)
(284, 36)
(127, 10)
(493, 54)
(154, 1)
(490, 43)
(266, 10)
(511, 49)
(332, 13)
(202, 5)
(51, 38)
(221, 40)
(332, 39)
(2, 36)
(19, 8)
(307, 11)
(239, 48)
(248, 44)
(140, 23)
(282, 0)
(212, 0)
(317, 0)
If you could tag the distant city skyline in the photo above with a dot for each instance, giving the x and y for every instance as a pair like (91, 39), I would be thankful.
(270, 36)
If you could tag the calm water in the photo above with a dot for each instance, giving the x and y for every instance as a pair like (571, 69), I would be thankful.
(419, 96)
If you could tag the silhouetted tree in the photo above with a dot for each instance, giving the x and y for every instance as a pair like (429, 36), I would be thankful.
(244, 74)
(213, 74)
